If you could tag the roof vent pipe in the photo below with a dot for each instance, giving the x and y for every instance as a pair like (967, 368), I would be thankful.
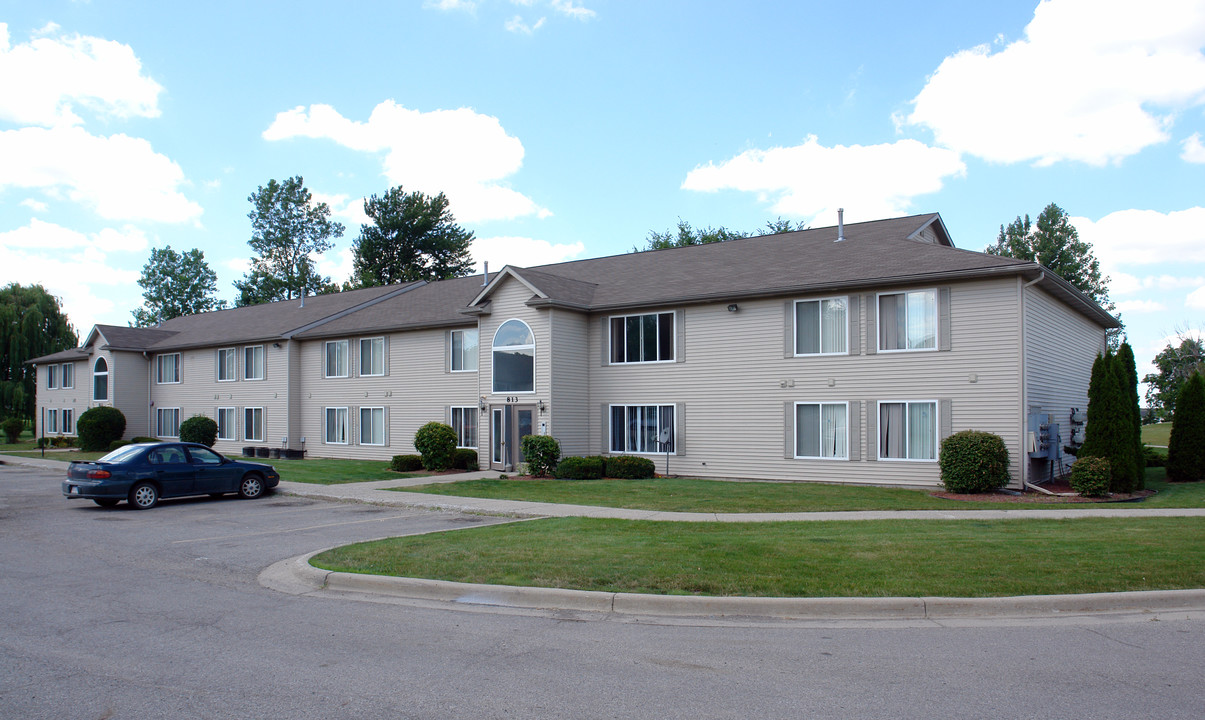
(486, 279)
(302, 297)
(840, 224)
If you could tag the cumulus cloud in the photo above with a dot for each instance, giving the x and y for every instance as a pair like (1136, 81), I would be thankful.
(811, 180)
(521, 252)
(466, 5)
(1125, 283)
(47, 80)
(1092, 81)
(345, 209)
(1145, 237)
(119, 177)
(1193, 151)
(568, 9)
(1196, 299)
(49, 236)
(1140, 306)
(462, 153)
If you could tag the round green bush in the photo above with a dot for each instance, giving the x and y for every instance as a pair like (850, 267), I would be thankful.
(465, 459)
(118, 444)
(406, 463)
(98, 427)
(972, 461)
(580, 468)
(436, 442)
(541, 453)
(629, 468)
(199, 429)
(1090, 476)
(13, 427)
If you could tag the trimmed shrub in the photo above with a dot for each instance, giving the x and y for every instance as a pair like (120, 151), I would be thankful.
(629, 467)
(1186, 448)
(142, 439)
(972, 461)
(1090, 476)
(13, 427)
(42, 442)
(436, 442)
(1154, 458)
(581, 468)
(199, 429)
(98, 427)
(118, 444)
(465, 459)
(62, 441)
(541, 453)
(406, 463)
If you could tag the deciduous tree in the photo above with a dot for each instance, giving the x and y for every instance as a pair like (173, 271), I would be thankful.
(413, 236)
(175, 284)
(685, 234)
(31, 324)
(1174, 365)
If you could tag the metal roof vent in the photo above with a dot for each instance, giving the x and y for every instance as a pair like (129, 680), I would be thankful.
(840, 224)
(485, 280)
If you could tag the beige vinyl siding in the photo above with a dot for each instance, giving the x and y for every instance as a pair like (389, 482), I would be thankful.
(415, 391)
(509, 303)
(569, 408)
(735, 381)
(77, 399)
(129, 375)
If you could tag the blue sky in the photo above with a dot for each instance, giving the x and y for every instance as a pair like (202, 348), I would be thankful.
(565, 129)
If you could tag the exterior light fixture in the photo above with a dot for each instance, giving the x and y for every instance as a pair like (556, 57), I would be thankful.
(733, 307)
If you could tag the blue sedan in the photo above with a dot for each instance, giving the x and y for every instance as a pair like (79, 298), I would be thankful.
(142, 474)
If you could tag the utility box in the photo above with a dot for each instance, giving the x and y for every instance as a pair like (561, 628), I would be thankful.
(1038, 438)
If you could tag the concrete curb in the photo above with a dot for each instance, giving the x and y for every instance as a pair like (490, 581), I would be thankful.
(297, 577)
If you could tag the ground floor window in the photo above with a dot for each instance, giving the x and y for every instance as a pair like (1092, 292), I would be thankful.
(464, 422)
(52, 421)
(372, 426)
(225, 418)
(253, 424)
(640, 428)
(822, 430)
(68, 420)
(336, 426)
(908, 430)
(167, 422)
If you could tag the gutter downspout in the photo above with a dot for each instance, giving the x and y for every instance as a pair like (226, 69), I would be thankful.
(150, 404)
(1025, 484)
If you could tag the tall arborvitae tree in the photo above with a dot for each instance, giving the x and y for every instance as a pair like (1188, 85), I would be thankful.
(1109, 431)
(1125, 360)
(1186, 448)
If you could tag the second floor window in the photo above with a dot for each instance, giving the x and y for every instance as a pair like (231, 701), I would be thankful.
(52, 377)
(68, 375)
(335, 363)
(514, 358)
(253, 362)
(372, 356)
(821, 326)
(100, 379)
(908, 320)
(167, 368)
(464, 351)
(226, 371)
(642, 338)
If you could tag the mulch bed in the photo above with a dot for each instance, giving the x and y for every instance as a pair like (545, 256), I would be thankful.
(1035, 497)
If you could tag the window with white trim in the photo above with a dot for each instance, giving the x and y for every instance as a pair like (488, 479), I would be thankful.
(167, 422)
(225, 417)
(908, 320)
(372, 426)
(463, 355)
(52, 422)
(908, 430)
(514, 358)
(100, 379)
(464, 422)
(52, 377)
(822, 326)
(638, 428)
(253, 362)
(68, 421)
(227, 371)
(822, 430)
(253, 424)
(336, 426)
(335, 362)
(372, 356)
(167, 369)
(643, 338)
(68, 376)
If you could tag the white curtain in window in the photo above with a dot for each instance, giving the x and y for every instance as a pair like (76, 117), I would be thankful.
(893, 431)
(922, 319)
(892, 320)
(832, 429)
(832, 324)
(922, 431)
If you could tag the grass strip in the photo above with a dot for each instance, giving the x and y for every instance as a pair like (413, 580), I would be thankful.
(824, 559)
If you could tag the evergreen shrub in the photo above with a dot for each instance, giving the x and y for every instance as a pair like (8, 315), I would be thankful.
(1186, 448)
(199, 429)
(1110, 430)
(465, 459)
(1154, 458)
(1091, 476)
(13, 427)
(629, 467)
(98, 427)
(972, 461)
(406, 463)
(118, 444)
(541, 452)
(581, 468)
(436, 443)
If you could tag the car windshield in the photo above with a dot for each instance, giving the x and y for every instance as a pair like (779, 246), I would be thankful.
(122, 454)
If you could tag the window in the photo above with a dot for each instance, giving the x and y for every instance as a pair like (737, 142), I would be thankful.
(226, 369)
(908, 430)
(167, 422)
(253, 362)
(372, 426)
(100, 379)
(642, 338)
(68, 375)
(464, 351)
(637, 428)
(52, 377)
(821, 430)
(225, 418)
(68, 421)
(908, 320)
(464, 422)
(203, 456)
(514, 358)
(253, 424)
(167, 368)
(52, 421)
(336, 359)
(336, 426)
(372, 356)
(821, 326)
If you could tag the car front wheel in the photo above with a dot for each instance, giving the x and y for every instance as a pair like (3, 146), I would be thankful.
(144, 496)
(252, 486)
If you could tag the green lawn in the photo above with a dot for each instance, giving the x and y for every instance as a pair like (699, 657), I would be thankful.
(1157, 434)
(693, 495)
(822, 559)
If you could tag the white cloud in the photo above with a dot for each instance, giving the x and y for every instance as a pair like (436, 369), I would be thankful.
(1140, 306)
(337, 264)
(35, 205)
(119, 177)
(521, 252)
(46, 80)
(347, 210)
(1196, 299)
(516, 25)
(1125, 284)
(1093, 81)
(577, 12)
(1194, 151)
(811, 180)
(466, 5)
(1144, 237)
(48, 236)
(462, 153)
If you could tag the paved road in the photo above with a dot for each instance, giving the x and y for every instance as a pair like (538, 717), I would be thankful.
(126, 614)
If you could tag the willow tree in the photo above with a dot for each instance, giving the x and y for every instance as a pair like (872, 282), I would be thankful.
(31, 324)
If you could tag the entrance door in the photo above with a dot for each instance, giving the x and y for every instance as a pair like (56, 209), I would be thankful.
(508, 423)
